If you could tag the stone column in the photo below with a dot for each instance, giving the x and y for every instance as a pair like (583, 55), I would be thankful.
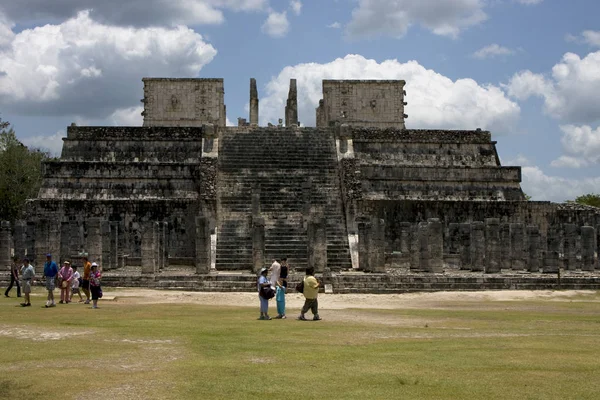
(377, 246)
(453, 238)
(465, 245)
(291, 108)
(570, 243)
(477, 246)
(435, 245)
(19, 239)
(533, 236)
(253, 103)
(492, 246)
(156, 230)
(364, 227)
(114, 245)
(415, 248)
(588, 248)
(505, 248)
(42, 231)
(258, 243)
(65, 242)
(317, 242)
(148, 247)
(424, 254)
(164, 255)
(94, 240)
(105, 229)
(30, 240)
(551, 260)
(517, 243)
(5, 246)
(404, 237)
(202, 241)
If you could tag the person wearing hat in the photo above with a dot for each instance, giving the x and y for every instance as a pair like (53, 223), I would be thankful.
(66, 276)
(263, 282)
(95, 285)
(50, 273)
(27, 275)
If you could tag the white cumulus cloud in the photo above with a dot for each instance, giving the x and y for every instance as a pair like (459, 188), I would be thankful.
(82, 67)
(529, 2)
(276, 25)
(540, 186)
(491, 51)
(51, 143)
(296, 6)
(581, 145)
(571, 92)
(434, 101)
(394, 18)
(335, 25)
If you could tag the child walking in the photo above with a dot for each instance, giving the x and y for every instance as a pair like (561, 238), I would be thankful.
(75, 284)
(280, 299)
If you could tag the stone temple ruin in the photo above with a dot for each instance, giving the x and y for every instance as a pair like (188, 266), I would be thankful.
(185, 201)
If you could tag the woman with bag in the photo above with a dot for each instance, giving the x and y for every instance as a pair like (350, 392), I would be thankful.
(65, 275)
(265, 292)
(95, 287)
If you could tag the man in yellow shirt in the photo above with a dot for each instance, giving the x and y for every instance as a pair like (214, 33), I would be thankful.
(85, 281)
(311, 292)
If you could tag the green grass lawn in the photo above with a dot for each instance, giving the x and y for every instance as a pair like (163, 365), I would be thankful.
(492, 350)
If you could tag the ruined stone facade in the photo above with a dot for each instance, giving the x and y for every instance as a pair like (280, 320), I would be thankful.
(359, 192)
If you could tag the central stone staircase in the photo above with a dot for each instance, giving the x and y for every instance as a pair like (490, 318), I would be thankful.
(292, 169)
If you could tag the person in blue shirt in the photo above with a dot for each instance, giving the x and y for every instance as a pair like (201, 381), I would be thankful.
(263, 282)
(280, 299)
(50, 272)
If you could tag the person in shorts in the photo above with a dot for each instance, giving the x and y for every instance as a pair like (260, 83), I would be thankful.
(75, 285)
(85, 282)
(50, 272)
(27, 275)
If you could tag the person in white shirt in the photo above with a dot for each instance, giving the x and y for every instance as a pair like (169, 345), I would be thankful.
(275, 270)
(75, 284)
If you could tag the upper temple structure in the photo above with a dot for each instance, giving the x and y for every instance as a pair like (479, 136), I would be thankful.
(358, 192)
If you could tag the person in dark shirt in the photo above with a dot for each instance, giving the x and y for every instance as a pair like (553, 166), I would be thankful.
(285, 269)
(14, 277)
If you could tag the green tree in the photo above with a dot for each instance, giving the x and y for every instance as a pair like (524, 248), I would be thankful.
(20, 173)
(590, 199)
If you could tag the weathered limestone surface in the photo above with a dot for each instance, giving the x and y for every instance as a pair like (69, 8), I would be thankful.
(588, 248)
(253, 103)
(492, 245)
(291, 108)
(5, 246)
(477, 246)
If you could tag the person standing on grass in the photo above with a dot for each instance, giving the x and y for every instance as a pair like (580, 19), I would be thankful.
(285, 269)
(50, 272)
(95, 285)
(14, 277)
(66, 275)
(311, 292)
(264, 303)
(275, 271)
(280, 299)
(27, 275)
(75, 285)
(85, 281)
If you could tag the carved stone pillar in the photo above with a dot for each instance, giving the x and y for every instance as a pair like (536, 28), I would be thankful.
(5, 246)
(424, 254)
(588, 248)
(148, 247)
(477, 246)
(465, 245)
(202, 239)
(505, 248)
(551, 260)
(376, 243)
(415, 248)
(517, 243)
(404, 237)
(533, 241)
(19, 239)
(42, 232)
(317, 242)
(435, 245)
(492, 245)
(258, 244)
(570, 243)
(114, 245)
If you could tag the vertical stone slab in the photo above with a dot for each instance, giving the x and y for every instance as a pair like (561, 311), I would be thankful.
(164, 256)
(533, 241)
(19, 238)
(424, 254)
(155, 229)
(377, 246)
(291, 108)
(148, 247)
(202, 243)
(453, 238)
(492, 245)
(42, 231)
(405, 237)
(435, 245)
(477, 246)
(258, 244)
(317, 242)
(114, 245)
(465, 245)
(5, 245)
(30, 235)
(65, 241)
(94, 240)
(505, 248)
(253, 103)
(105, 229)
(588, 248)
(517, 243)
(364, 228)
(256, 202)
(570, 247)
(551, 260)
(415, 248)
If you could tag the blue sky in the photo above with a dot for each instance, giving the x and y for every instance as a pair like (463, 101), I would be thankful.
(528, 70)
